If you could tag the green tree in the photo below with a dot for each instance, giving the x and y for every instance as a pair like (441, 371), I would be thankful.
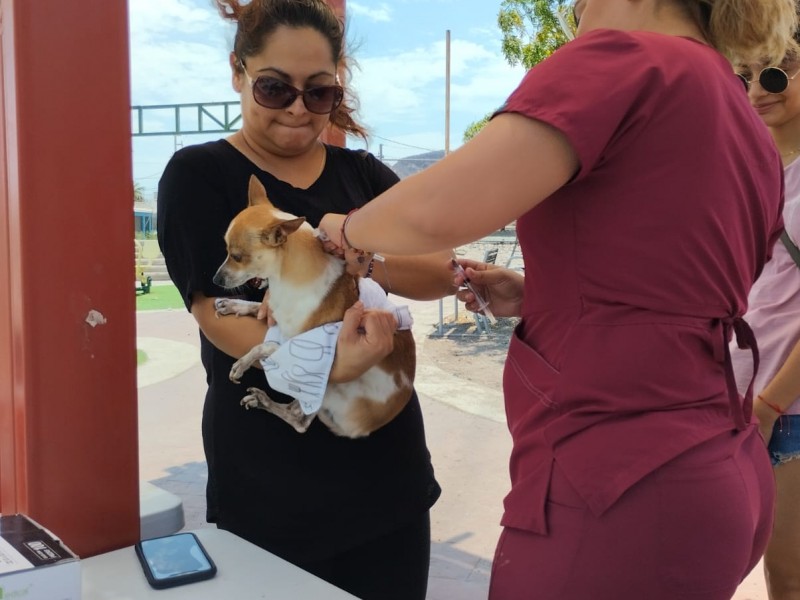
(531, 32)
(531, 29)
(138, 192)
(475, 127)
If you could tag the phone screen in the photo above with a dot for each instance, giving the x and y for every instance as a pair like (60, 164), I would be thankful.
(176, 557)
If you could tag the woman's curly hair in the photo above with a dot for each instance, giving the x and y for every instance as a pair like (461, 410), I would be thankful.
(749, 31)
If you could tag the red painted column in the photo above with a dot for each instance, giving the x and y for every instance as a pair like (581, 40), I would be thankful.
(8, 467)
(334, 136)
(68, 412)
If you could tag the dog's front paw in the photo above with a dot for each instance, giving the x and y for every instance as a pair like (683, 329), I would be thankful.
(224, 306)
(237, 370)
(256, 398)
(235, 306)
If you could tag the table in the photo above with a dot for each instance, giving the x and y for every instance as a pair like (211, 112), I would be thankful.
(244, 572)
(160, 511)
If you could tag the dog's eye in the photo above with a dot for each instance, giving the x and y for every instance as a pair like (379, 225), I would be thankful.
(237, 258)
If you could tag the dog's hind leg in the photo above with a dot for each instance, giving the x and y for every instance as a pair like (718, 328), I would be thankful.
(291, 413)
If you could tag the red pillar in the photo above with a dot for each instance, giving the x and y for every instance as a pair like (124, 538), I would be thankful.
(334, 136)
(68, 413)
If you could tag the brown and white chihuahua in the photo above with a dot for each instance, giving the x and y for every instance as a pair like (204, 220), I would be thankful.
(308, 288)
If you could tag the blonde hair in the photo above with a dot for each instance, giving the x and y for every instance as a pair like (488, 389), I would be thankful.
(748, 31)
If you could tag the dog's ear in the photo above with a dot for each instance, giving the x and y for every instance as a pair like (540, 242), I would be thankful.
(256, 193)
(277, 235)
(292, 225)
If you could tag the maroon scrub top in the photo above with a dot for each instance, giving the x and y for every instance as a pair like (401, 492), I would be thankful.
(637, 271)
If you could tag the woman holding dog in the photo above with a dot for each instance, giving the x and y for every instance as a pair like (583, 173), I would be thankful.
(774, 314)
(354, 512)
(648, 198)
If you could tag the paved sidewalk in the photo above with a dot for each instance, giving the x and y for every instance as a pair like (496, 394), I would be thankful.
(466, 432)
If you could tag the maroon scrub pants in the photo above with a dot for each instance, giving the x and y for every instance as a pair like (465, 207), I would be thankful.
(692, 529)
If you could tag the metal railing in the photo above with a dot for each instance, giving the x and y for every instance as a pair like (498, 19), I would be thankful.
(184, 119)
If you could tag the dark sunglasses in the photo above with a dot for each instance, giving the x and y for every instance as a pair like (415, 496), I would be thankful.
(772, 79)
(270, 92)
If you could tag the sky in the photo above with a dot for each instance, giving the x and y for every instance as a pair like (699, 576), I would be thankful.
(179, 54)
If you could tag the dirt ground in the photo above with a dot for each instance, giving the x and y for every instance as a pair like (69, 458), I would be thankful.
(464, 350)
(470, 354)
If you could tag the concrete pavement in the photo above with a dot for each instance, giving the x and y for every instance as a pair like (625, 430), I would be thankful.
(466, 432)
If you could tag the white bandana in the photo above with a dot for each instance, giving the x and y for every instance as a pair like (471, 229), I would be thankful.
(300, 367)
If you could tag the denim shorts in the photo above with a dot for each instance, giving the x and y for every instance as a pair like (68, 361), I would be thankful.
(785, 442)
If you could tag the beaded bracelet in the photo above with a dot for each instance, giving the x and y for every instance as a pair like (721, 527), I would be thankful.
(774, 407)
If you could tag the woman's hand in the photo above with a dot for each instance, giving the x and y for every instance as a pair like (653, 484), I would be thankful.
(366, 338)
(357, 262)
(334, 243)
(767, 418)
(330, 229)
(501, 288)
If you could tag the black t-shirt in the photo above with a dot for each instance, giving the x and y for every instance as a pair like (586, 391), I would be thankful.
(302, 496)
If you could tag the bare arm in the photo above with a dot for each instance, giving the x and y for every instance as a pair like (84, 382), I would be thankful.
(781, 392)
(234, 336)
(427, 277)
(507, 169)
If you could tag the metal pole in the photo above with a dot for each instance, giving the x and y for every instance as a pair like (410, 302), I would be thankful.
(447, 130)
(447, 96)
(446, 152)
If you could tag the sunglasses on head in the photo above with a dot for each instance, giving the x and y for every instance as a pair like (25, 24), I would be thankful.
(271, 92)
(772, 79)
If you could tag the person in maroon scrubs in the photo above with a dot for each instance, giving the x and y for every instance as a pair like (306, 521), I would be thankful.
(648, 196)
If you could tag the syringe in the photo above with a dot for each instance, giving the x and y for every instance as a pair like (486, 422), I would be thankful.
(483, 305)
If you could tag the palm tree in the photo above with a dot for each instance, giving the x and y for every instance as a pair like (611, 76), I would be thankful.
(138, 192)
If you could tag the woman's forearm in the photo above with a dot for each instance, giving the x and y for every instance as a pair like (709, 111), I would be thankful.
(784, 388)
(234, 336)
(427, 277)
(509, 168)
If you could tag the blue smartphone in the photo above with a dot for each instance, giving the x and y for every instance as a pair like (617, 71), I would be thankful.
(174, 559)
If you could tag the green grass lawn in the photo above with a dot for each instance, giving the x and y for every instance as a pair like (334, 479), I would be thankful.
(161, 297)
